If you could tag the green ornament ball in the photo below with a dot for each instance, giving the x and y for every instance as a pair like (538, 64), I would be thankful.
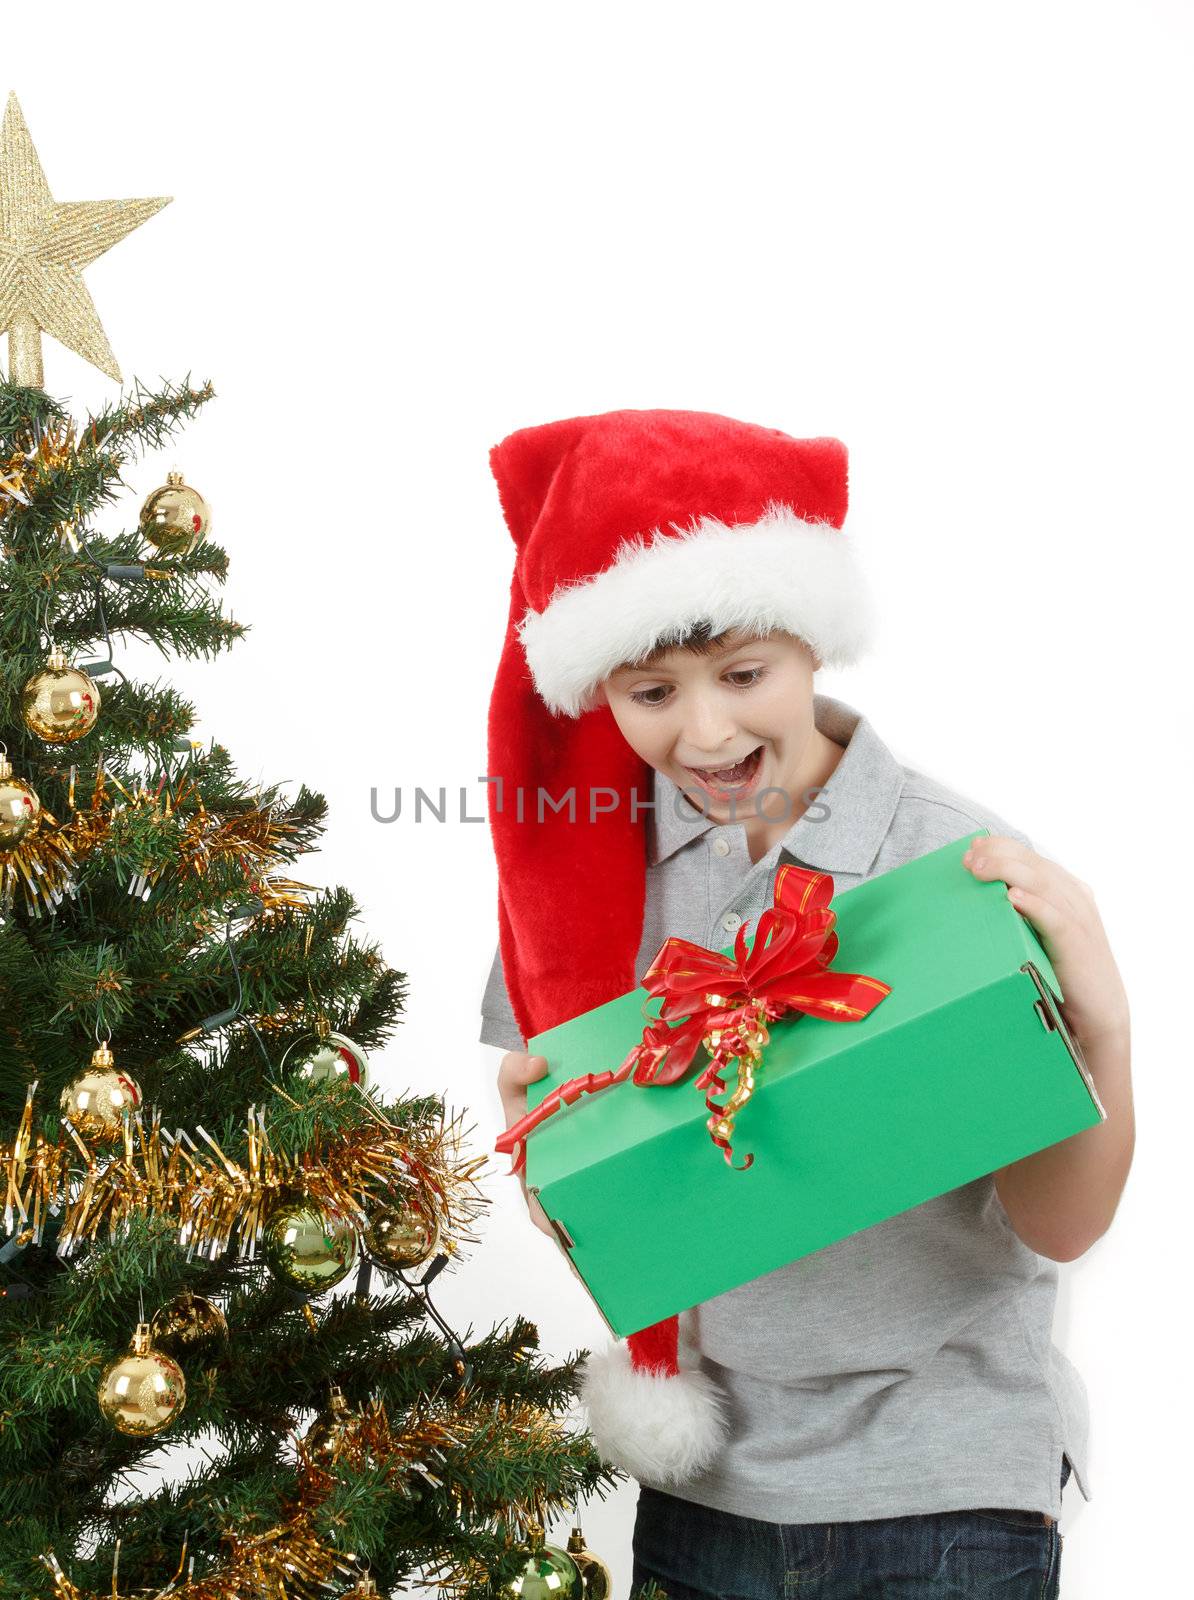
(550, 1574)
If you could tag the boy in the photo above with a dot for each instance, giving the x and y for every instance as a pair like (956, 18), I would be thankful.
(891, 1407)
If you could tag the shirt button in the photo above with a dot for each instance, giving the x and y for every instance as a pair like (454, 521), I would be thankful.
(732, 922)
(721, 846)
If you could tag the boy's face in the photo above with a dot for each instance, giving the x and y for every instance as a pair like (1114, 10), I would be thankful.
(723, 726)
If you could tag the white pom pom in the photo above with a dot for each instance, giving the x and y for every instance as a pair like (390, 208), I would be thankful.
(658, 1429)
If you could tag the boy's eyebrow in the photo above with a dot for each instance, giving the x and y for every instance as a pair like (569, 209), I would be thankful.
(718, 647)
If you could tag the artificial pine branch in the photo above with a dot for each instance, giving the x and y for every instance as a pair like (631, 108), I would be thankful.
(148, 417)
(22, 409)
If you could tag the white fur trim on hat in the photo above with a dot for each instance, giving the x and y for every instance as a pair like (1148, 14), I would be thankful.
(659, 1429)
(779, 573)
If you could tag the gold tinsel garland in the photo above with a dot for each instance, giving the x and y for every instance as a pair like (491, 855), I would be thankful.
(45, 861)
(289, 1562)
(251, 839)
(292, 1561)
(211, 1196)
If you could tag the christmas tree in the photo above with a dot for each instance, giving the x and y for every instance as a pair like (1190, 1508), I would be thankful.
(222, 1372)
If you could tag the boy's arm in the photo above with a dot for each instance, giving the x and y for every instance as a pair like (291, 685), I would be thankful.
(1062, 1199)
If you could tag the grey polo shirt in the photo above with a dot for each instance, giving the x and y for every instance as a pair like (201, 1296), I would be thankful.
(908, 1368)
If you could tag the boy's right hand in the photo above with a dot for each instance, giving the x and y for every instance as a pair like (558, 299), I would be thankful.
(514, 1073)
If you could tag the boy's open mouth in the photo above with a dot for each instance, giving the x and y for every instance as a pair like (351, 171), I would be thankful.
(738, 779)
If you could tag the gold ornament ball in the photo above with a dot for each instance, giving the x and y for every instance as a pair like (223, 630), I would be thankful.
(363, 1589)
(187, 1321)
(19, 807)
(550, 1574)
(308, 1249)
(402, 1235)
(60, 703)
(336, 1056)
(327, 1433)
(595, 1575)
(96, 1102)
(144, 1391)
(175, 518)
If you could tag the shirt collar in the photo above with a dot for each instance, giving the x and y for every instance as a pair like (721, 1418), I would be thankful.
(861, 797)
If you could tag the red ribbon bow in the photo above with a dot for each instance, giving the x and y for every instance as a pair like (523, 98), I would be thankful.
(725, 1002)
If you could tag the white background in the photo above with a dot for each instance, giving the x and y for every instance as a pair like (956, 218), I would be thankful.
(954, 236)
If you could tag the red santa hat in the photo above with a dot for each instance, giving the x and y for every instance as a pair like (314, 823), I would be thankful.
(630, 527)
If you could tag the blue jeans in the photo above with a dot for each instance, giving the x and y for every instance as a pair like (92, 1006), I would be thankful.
(696, 1553)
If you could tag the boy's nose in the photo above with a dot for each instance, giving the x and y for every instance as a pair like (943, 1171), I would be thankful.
(707, 733)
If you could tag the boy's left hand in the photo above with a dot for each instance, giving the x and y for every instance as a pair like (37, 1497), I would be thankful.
(1062, 910)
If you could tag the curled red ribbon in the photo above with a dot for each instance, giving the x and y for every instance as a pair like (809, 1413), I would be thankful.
(725, 1002)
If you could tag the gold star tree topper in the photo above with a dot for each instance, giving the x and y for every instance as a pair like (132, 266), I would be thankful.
(44, 246)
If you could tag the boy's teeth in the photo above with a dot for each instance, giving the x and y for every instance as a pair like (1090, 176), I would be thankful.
(734, 774)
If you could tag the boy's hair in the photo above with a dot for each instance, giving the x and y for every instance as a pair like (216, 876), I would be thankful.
(699, 638)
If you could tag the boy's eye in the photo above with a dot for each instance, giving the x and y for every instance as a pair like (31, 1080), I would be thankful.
(658, 695)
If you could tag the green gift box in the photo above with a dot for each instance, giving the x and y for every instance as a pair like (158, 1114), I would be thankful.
(965, 1066)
